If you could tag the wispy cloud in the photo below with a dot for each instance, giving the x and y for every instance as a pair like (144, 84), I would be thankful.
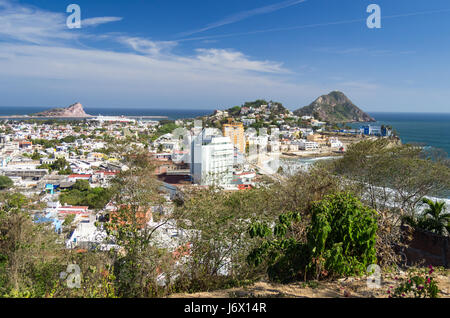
(245, 15)
(236, 60)
(33, 25)
(307, 26)
(355, 51)
(29, 24)
(146, 46)
(38, 53)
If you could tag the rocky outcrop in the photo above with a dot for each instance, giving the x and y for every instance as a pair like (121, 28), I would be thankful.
(335, 108)
(75, 110)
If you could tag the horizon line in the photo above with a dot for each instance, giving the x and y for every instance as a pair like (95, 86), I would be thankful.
(218, 108)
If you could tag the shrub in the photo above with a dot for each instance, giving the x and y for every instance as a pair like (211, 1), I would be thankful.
(286, 257)
(5, 182)
(340, 240)
(341, 236)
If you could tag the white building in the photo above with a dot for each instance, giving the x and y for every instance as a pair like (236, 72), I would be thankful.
(212, 158)
(248, 121)
(112, 119)
(335, 143)
(304, 144)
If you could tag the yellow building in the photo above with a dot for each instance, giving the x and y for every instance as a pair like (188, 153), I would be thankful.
(236, 133)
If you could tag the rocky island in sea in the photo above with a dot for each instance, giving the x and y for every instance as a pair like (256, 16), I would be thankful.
(75, 110)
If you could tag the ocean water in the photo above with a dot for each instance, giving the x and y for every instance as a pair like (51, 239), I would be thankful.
(126, 111)
(428, 129)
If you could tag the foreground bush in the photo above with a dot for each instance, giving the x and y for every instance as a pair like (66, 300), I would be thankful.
(340, 241)
(342, 236)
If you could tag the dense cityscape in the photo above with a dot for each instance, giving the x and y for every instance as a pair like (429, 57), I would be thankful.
(47, 161)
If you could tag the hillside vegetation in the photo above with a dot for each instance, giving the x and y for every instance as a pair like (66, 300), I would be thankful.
(314, 228)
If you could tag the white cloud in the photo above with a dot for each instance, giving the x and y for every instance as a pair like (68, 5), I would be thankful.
(127, 78)
(30, 24)
(236, 60)
(44, 53)
(147, 46)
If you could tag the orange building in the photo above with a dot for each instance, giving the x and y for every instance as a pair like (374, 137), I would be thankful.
(25, 144)
(236, 133)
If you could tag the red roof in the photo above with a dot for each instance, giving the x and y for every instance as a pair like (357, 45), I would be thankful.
(182, 250)
(80, 176)
(244, 173)
(75, 207)
(71, 212)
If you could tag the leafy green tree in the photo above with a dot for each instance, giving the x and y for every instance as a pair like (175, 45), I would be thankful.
(82, 194)
(29, 255)
(61, 165)
(69, 139)
(217, 222)
(69, 219)
(81, 185)
(234, 111)
(391, 175)
(138, 262)
(46, 143)
(36, 156)
(5, 182)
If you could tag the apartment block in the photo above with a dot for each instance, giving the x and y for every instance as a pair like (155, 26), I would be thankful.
(235, 131)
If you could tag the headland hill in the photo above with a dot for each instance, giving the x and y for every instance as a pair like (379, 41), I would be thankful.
(332, 108)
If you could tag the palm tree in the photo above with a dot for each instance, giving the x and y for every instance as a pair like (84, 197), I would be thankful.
(435, 219)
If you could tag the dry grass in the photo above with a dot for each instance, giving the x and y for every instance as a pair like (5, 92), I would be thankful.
(342, 288)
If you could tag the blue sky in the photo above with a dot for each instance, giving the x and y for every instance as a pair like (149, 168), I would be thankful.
(215, 54)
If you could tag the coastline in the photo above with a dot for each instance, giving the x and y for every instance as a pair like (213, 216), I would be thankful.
(310, 154)
(43, 117)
